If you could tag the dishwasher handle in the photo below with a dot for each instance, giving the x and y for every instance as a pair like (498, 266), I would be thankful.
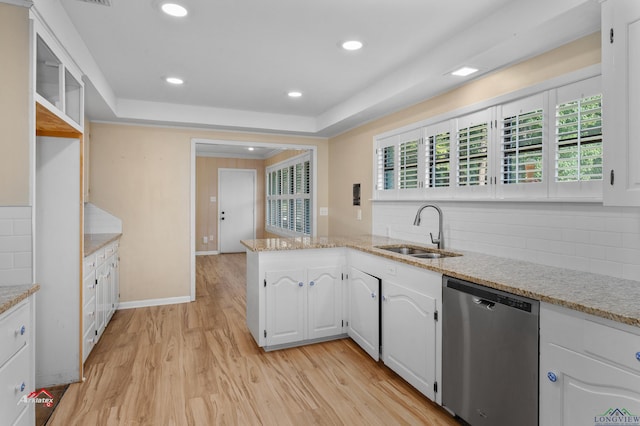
(486, 303)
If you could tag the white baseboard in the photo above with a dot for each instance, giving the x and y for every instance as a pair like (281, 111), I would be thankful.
(154, 302)
(206, 253)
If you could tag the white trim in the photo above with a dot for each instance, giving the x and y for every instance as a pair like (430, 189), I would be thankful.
(23, 3)
(207, 253)
(153, 302)
(194, 141)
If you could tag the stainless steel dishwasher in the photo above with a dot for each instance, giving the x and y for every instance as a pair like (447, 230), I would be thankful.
(489, 355)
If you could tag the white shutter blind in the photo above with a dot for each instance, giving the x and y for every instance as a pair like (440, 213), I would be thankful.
(288, 209)
(439, 153)
(408, 164)
(385, 164)
(473, 159)
(521, 146)
(579, 140)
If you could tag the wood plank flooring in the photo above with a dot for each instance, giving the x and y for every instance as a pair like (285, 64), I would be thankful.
(197, 364)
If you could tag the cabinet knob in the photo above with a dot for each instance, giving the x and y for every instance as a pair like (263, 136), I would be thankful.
(21, 387)
(384, 298)
(312, 283)
(552, 376)
(21, 330)
(638, 356)
(373, 295)
(300, 284)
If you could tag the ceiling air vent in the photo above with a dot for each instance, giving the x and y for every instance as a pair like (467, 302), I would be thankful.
(101, 2)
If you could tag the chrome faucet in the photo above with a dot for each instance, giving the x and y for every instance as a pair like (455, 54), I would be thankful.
(416, 222)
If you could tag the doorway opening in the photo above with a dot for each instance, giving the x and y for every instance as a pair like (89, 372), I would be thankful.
(210, 159)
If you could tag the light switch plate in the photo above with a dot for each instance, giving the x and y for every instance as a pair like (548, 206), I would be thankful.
(212, 199)
(324, 211)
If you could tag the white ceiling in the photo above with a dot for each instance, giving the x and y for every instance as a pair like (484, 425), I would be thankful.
(239, 58)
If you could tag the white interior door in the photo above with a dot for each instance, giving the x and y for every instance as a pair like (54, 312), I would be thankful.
(237, 205)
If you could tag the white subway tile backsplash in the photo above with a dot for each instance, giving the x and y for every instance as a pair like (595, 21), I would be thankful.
(579, 236)
(15, 246)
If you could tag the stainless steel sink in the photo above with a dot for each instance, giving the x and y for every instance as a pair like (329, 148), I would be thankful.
(417, 252)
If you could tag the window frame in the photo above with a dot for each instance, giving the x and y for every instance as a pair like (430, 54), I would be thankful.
(286, 194)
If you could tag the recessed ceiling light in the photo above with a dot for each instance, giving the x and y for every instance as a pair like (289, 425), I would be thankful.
(174, 9)
(464, 71)
(250, 148)
(174, 80)
(352, 45)
(294, 94)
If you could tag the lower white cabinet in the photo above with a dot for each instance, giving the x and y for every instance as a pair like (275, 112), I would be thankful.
(589, 369)
(409, 332)
(363, 325)
(101, 293)
(303, 304)
(295, 296)
(17, 363)
(411, 338)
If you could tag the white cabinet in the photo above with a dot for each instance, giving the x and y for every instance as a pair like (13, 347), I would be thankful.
(411, 341)
(100, 293)
(17, 363)
(290, 306)
(409, 333)
(364, 311)
(621, 101)
(303, 304)
(589, 369)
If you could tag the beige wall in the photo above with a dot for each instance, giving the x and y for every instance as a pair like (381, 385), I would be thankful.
(351, 154)
(143, 176)
(14, 105)
(207, 186)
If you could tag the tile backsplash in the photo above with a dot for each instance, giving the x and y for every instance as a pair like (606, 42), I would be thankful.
(15, 246)
(580, 236)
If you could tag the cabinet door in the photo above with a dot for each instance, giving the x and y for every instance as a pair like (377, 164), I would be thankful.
(579, 390)
(102, 276)
(110, 288)
(409, 336)
(621, 101)
(364, 311)
(285, 306)
(324, 302)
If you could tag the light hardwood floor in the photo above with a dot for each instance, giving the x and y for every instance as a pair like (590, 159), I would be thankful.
(197, 364)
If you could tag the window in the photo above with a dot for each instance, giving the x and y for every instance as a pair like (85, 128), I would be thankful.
(579, 140)
(288, 210)
(439, 151)
(472, 146)
(408, 166)
(522, 148)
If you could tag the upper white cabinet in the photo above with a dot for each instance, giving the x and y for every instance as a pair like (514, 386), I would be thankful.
(621, 87)
(58, 84)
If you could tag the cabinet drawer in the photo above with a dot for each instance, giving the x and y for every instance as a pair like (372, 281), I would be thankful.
(110, 250)
(88, 342)
(14, 331)
(89, 265)
(89, 315)
(614, 345)
(89, 288)
(100, 257)
(16, 383)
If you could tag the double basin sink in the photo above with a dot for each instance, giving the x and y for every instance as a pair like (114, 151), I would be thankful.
(417, 252)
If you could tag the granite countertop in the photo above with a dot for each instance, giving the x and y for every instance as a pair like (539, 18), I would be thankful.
(600, 295)
(94, 242)
(11, 295)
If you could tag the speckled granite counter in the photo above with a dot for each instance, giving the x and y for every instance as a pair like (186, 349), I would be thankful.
(11, 295)
(601, 295)
(94, 242)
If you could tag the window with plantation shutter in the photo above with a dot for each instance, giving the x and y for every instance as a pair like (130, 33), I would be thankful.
(438, 153)
(288, 204)
(522, 148)
(472, 142)
(408, 165)
(579, 139)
